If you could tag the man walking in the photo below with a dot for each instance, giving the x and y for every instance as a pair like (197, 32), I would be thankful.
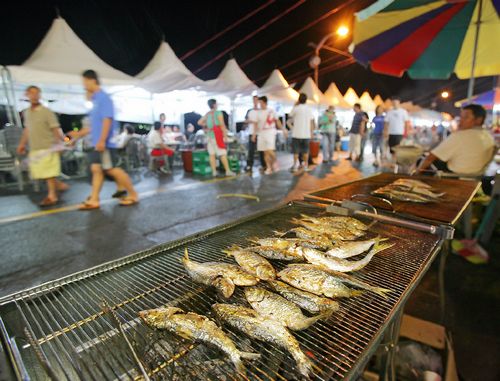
(328, 129)
(397, 123)
(356, 132)
(267, 120)
(252, 145)
(41, 128)
(302, 132)
(103, 157)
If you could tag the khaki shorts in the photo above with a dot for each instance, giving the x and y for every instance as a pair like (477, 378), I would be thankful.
(266, 140)
(108, 159)
(355, 144)
(213, 149)
(44, 164)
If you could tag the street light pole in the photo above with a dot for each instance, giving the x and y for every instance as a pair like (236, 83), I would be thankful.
(316, 60)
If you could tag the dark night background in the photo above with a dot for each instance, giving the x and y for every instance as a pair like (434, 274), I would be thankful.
(126, 35)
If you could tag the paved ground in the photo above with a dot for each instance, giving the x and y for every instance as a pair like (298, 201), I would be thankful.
(41, 246)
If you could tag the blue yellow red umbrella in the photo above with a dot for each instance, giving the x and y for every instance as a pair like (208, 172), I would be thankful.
(429, 38)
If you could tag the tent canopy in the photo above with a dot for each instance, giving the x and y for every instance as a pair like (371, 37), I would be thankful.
(62, 57)
(335, 97)
(313, 93)
(165, 72)
(351, 97)
(286, 93)
(367, 103)
(488, 99)
(378, 100)
(231, 82)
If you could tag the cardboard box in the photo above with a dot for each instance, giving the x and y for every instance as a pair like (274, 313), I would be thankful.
(430, 334)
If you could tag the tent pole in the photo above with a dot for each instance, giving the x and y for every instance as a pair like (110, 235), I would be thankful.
(471, 80)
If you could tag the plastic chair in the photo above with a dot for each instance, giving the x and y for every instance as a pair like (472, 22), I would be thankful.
(10, 160)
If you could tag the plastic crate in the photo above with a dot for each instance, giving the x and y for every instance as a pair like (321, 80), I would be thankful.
(234, 164)
(200, 157)
(201, 169)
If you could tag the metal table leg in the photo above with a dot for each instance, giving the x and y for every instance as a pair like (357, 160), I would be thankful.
(387, 370)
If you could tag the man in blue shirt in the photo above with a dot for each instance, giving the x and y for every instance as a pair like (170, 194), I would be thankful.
(104, 136)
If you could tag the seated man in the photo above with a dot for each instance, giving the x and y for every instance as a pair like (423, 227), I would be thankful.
(157, 148)
(466, 151)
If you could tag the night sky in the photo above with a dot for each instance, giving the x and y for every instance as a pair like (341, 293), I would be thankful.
(126, 34)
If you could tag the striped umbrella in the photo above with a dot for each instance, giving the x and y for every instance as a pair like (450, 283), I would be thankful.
(430, 38)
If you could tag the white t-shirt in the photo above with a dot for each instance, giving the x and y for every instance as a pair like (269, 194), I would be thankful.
(154, 140)
(252, 115)
(266, 120)
(397, 120)
(302, 116)
(466, 151)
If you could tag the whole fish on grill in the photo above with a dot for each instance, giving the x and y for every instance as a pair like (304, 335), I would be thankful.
(196, 327)
(223, 276)
(255, 325)
(320, 258)
(274, 306)
(271, 252)
(321, 281)
(252, 262)
(306, 300)
(337, 223)
(286, 243)
(426, 192)
(398, 195)
(412, 183)
(310, 235)
(347, 249)
(334, 234)
(348, 222)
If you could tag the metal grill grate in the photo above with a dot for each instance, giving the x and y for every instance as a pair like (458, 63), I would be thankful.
(79, 341)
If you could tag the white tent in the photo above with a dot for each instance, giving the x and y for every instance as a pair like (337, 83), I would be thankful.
(378, 100)
(62, 57)
(335, 97)
(284, 94)
(313, 93)
(367, 103)
(351, 97)
(165, 72)
(231, 82)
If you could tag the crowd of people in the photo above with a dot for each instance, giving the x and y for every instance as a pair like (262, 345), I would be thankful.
(466, 151)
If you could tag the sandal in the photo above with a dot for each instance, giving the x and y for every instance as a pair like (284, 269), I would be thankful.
(85, 206)
(119, 194)
(48, 202)
(128, 202)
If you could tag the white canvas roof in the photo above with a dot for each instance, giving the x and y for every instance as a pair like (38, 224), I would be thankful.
(351, 97)
(231, 82)
(62, 57)
(378, 100)
(367, 103)
(313, 93)
(335, 97)
(285, 92)
(165, 72)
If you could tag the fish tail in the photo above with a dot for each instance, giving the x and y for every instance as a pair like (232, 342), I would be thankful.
(381, 291)
(280, 233)
(186, 256)
(239, 364)
(306, 217)
(249, 355)
(379, 247)
(305, 366)
(254, 239)
(228, 252)
(356, 293)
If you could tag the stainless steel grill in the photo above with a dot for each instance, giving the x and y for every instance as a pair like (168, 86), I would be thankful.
(78, 340)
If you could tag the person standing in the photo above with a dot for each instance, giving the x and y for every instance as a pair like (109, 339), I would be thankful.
(397, 124)
(364, 137)
(302, 132)
(104, 156)
(252, 145)
(356, 132)
(217, 135)
(266, 121)
(378, 132)
(328, 125)
(41, 129)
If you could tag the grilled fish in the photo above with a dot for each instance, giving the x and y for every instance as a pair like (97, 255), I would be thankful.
(223, 276)
(274, 306)
(309, 235)
(258, 327)
(349, 249)
(196, 327)
(285, 243)
(275, 253)
(398, 195)
(252, 262)
(317, 257)
(349, 222)
(321, 281)
(411, 183)
(334, 234)
(335, 223)
(304, 299)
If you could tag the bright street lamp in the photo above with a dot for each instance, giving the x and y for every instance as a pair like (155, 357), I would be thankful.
(315, 60)
(445, 94)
